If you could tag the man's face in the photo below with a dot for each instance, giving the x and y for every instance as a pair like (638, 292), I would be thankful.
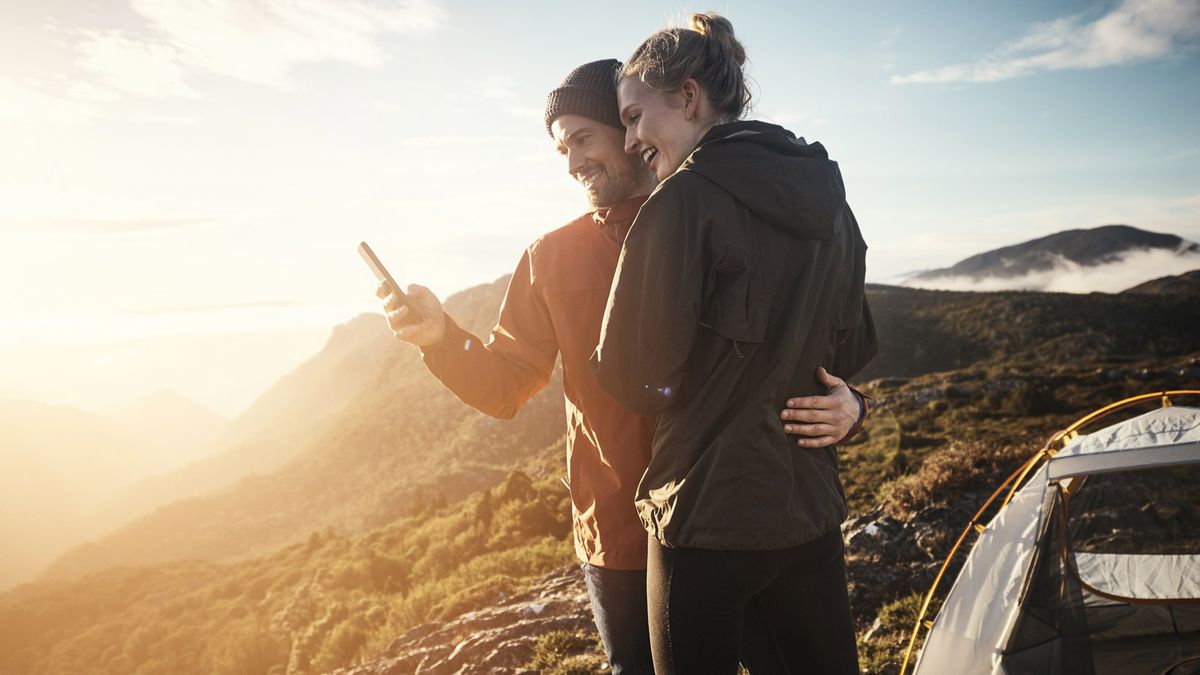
(596, 158)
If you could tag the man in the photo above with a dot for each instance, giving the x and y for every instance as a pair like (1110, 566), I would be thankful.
(555, 305)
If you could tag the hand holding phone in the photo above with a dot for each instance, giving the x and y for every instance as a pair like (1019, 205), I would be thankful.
(416, 317)
(384, 276)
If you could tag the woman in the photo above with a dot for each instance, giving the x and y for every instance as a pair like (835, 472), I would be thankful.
(741, 275)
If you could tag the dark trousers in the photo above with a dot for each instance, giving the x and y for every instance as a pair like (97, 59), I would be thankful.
(619, 607)
(791, 603)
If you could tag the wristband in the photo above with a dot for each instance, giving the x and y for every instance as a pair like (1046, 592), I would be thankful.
(862, 414)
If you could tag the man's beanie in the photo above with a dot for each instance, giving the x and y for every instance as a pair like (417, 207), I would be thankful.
(589, 90)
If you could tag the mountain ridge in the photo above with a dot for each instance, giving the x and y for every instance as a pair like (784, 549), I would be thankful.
(405, 440)
(1060, 252)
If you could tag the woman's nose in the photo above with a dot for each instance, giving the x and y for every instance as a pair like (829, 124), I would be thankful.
(631, 141)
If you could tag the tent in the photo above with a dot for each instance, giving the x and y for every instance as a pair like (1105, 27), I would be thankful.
(1091, 566)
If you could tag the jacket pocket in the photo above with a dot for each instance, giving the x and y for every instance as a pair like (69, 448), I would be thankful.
(734, 300)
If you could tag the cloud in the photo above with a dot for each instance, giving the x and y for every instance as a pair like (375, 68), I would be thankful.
(133, 66)
(193, 309)
(1135, 31)
(23, 100)
(256, 41)
(259, 41)
(1130, 269)
(887, 47)
(118, 226)
(437, 141)
(494, 92)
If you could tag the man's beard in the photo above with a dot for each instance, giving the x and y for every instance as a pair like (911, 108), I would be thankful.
(622, 182)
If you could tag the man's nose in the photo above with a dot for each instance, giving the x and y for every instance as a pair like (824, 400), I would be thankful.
(575, 162)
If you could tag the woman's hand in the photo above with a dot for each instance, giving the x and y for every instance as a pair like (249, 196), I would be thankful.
(823, 420)
(432, 327)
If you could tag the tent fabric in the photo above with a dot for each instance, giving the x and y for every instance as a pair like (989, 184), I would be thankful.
(1122, 460)
(1141, 577)
(967, 635)
(982, 608)
(1173, 425)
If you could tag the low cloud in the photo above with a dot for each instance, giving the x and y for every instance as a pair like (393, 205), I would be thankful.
(1135, 31)
(1130, 269)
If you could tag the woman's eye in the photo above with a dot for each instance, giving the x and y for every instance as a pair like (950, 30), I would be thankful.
(634, 117)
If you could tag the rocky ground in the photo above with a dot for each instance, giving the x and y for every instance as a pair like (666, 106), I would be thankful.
(503, 638)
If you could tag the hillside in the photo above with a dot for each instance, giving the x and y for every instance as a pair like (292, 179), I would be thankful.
(405, 591)
(1084, 247)
(923, 331)
(1178, 285)
(402, 442)
(276, 428)
(179, 429)
(405, 441)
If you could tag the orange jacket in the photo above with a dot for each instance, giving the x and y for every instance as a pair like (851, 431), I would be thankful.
(555, 304)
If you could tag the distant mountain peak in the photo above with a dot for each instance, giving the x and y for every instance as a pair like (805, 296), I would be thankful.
(1044, 263)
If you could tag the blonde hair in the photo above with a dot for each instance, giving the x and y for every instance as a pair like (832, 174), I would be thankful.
(706, 52)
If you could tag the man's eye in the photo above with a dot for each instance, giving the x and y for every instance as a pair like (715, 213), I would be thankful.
(634, 117)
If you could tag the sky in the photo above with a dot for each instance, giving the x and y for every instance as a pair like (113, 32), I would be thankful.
(184, 181)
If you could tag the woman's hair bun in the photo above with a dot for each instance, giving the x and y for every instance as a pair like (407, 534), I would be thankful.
(715, 27)
(706, 52)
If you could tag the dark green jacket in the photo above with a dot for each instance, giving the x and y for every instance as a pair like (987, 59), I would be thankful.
(742, 273)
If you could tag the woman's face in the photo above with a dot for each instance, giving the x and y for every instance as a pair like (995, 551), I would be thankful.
(661, 127)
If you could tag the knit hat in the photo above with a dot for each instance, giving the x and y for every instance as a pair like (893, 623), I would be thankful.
(589, 90)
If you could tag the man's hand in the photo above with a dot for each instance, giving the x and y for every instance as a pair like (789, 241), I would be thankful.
(822, 420)
(429, 331)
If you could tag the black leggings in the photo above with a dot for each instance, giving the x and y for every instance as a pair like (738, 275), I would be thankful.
(792, 602)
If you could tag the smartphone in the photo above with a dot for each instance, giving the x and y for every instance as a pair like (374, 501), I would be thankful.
(381, 273)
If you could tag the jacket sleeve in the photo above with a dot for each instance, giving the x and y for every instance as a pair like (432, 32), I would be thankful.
(653, 309)
(857, 347)
(499, 376)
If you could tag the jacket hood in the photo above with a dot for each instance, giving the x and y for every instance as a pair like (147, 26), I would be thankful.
(784, 180)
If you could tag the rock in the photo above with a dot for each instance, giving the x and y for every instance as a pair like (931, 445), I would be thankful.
(499, 639)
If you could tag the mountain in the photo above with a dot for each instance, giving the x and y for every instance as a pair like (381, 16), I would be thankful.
(1187, 283)
(274, 429)
(57, 462)
(404, 441)
(1069, 261)
(406, 509)
(401, 442)
(180, 428)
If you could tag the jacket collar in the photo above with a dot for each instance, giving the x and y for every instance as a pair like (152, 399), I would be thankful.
(615, 220)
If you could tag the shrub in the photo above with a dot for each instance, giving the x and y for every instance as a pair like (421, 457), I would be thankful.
(341, 648)
(553, 650)
(249, 649)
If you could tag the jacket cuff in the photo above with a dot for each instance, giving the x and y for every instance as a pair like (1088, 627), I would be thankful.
(863, 408)
(454, 338)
